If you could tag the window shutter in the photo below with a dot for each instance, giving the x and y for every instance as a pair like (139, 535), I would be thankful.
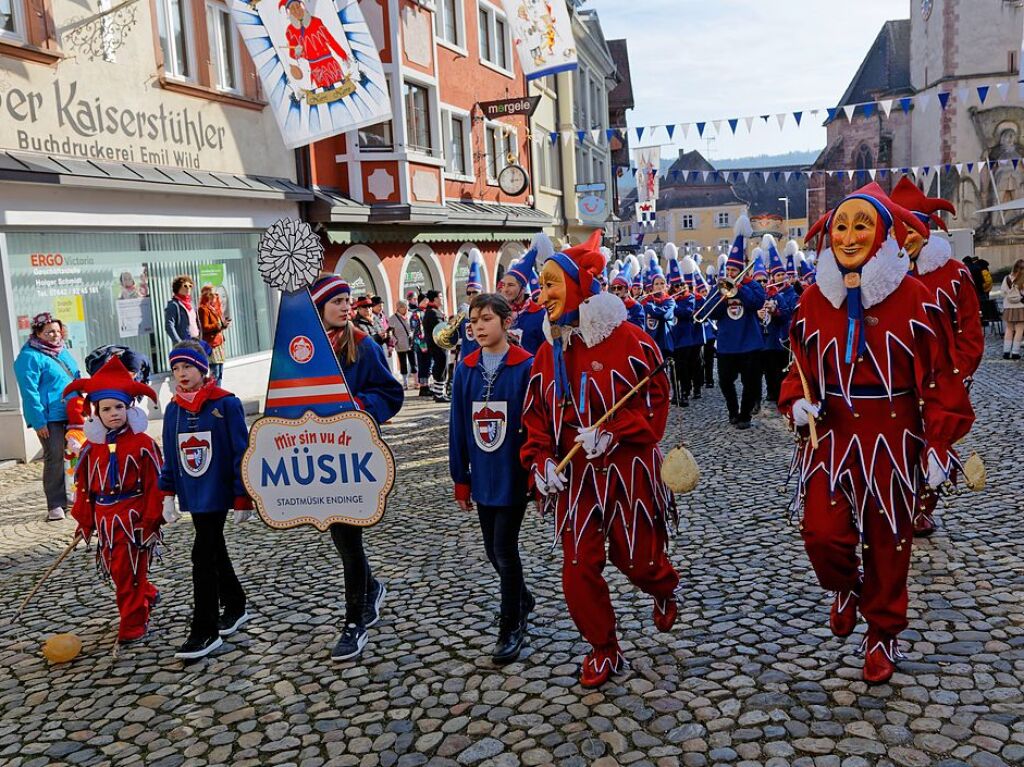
(40, 24)
(250, 79)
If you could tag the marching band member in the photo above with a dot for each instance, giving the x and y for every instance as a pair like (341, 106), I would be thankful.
(686, 340)
(612, 489)
(870, 366)
(204, 437)
(474, 284)
(759, 273)
(779, 305)
(793, 258)
(619, 286)
(659, 306)
(739, 332)
(376, 391)
(116, 493)
(484, 439)
(952, 289)
(527, 315)
(708, 329)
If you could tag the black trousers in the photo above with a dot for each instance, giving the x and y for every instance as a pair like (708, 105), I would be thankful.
(500, 526)
(214, 583)
(348, 540)
(407, 362)
(776, 361)
(438, 362)
(746, 367)
(422, 365)
(689, 372)
(709, 363)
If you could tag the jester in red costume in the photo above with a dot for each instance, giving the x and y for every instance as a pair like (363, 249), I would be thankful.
(116, 490)
(888, 413)
(309, 39)
(611, 490)
(952, 289)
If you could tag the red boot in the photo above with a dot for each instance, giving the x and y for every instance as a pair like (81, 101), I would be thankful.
(665, 612)
(599, 665)
(880, 657)
(842, 619)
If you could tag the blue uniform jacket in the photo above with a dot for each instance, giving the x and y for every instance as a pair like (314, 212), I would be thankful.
(660, 312)
(740, 331)
(467, 344)
(203, 453)
(484, 436)
(686, 332)
(778, 328)
(530, 322)
(635, 313)
(370, 381)
(41, 382)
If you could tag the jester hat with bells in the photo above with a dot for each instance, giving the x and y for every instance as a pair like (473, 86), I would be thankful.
(929, 253)
(579, 266)
(112, 381)
(869, 210)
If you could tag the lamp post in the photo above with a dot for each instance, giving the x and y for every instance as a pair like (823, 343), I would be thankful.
(786, 225)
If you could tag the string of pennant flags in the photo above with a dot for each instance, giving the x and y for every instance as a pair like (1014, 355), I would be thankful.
(964, 96)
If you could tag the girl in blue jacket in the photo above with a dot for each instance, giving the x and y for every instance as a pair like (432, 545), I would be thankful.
(204, 437)
(484, 438)
(379, 393)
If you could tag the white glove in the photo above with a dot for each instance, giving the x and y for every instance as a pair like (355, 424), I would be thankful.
(936, 474)
(242, 515)
(804, 411)
(595, 442)
(551, 481)
(171, 513)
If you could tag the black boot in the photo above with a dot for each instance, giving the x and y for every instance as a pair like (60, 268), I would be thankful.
(511, 637)
(1006, 355)
(425, 391)
(527, 607)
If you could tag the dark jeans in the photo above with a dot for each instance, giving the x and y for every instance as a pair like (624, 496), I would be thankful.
(689, 373)
(709, 363)
(422, 366)
(53, 467)
(438, 362)
(348, 540)
(407, 362)
(214, 583)
(776, 361)
(746, 367)
(500, 527)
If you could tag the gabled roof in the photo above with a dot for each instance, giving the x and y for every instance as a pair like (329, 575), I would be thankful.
(885, 70)
(621, 96)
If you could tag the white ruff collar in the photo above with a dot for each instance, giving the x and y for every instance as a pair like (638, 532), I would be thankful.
(599, 316)
(879, 277)
(934, 255)
(96, 432)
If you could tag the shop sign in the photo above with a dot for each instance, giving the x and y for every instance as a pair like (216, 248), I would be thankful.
(592, 207)
(494, 110)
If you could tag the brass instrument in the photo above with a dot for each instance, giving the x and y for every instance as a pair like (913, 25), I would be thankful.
(447, 336)
(727, 288)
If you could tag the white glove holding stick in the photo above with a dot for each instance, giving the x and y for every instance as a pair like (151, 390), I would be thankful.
(551, 481)
(170, 513)
(804, 411)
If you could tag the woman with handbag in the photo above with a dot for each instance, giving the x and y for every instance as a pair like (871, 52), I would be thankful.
(1013, 311)
(212, 324)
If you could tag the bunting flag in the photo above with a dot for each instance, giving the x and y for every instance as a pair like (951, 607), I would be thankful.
(542, 35)
(318, 91)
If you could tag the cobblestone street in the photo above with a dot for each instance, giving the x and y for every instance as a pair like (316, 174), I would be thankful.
(751, 674)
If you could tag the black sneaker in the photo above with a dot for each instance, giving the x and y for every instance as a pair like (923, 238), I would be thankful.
(734, 419)
(696, 394)
(511, 638)
(230, 623)
(684, 402)
(1006, 355)
(743, 425)
(196, 647)
(350, 643)
(374, 601)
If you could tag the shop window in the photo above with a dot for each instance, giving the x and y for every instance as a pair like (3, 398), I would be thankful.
(419, 132)
(223, 48)
(495, 43)
(378, 138)
(175, 30)
(358, 276)
(112, 287)
(457, 141)
(450, 23)
(417, 277)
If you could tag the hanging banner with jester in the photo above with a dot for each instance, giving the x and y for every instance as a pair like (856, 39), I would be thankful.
(648, 165)
(542, 33)
(318, 65)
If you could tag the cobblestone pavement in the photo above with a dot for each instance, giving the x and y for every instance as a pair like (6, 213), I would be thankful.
(750, 676)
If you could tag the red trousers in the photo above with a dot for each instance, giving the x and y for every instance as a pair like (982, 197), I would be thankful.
(128, 565)
(926, 505)
(831, 539)
(586, 591)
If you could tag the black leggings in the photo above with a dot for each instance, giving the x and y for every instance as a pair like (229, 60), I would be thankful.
(747, 367)
(214, 583)
(348, 540)
(689, 373)
(709, 363)
(438, 363)
(500, 527)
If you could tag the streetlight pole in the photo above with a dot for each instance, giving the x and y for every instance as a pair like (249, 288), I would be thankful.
(786, 200)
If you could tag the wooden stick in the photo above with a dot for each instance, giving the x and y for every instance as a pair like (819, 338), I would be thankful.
(611, 411)
(63, 555)
(811, 425)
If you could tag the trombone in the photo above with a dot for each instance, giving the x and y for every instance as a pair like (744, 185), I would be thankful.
(727, 288)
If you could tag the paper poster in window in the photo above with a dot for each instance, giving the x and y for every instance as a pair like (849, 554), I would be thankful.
(542, 33)
(133, 302)
(318, 64)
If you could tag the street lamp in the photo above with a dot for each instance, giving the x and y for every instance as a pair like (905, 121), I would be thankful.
(786, 225)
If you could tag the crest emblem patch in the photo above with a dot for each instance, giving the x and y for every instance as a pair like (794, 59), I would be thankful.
(490, 424)
(195, 451)
(735, 310)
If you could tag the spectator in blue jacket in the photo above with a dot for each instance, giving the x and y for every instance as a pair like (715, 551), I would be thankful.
(43, 368)
(376, 391)
(204, 438)
(181, 320)
(484, 438)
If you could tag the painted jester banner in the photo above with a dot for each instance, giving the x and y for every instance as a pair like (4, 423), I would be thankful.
(542, 33)
(318, 64)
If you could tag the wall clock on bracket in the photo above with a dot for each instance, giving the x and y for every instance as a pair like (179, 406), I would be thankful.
(513, 180)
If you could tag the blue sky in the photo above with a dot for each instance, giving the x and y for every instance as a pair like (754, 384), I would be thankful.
(695, 60)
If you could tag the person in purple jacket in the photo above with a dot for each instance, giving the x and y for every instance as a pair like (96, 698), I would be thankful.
(484, 438)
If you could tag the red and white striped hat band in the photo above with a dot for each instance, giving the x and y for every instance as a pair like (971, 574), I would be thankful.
(326, 288)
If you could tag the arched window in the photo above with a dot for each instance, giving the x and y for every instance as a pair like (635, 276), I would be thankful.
(359, 278)
(863, 159)
(417, 276)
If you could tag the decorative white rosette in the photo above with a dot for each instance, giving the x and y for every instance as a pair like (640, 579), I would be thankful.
(290, 255)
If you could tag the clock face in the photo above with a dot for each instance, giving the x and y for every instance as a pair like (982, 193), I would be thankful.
(513, 180)
(926, 8)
